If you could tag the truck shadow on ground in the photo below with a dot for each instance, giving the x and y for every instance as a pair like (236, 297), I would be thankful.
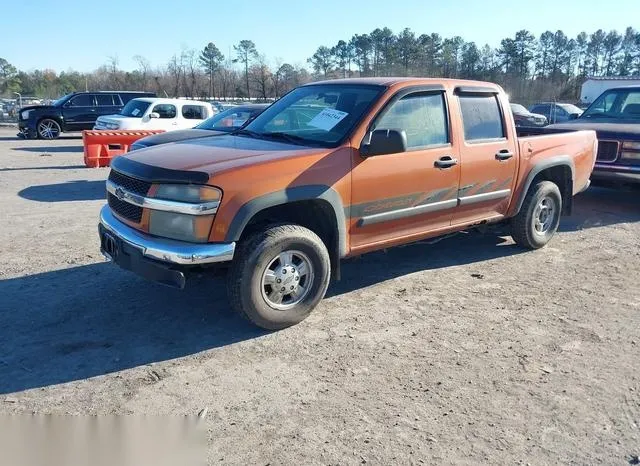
(86, 321)
(50, 149)
(83, 190)
(91, 320)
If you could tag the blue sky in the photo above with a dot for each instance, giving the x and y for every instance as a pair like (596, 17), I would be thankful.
(83, 35)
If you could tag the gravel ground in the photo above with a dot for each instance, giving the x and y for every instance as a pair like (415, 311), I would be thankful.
(465, 351)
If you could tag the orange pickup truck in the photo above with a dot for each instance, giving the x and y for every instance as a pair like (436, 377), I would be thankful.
(335, 169)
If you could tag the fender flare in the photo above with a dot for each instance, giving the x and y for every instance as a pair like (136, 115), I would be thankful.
(293, 194)
(557, 161)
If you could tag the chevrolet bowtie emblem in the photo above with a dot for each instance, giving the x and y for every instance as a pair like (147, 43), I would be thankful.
(120, 193)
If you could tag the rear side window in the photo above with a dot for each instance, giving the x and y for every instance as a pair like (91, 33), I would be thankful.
(481, 117)
(165, 110)
(194, 112)
(104, 100)
(421, 116)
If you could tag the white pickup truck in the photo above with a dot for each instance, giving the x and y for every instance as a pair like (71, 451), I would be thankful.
(155, 113)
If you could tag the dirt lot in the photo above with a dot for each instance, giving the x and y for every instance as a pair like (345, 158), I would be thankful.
(466, 351)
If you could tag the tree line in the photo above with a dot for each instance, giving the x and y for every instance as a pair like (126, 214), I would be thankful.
(551, 66)
(207, 73)
(529, 67)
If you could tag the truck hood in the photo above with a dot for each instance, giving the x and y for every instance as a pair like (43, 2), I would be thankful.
(215, 154)
(37, 107)
(178, 135)
(605, 128)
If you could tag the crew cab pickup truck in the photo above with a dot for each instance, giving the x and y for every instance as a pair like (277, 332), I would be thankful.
(331, 170)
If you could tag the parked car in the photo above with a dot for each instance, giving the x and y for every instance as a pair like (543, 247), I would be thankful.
(523, 117)
(221, 123)
(556, 112)
(73, 112)
(615, 116)
(154, 113)
(336, 169)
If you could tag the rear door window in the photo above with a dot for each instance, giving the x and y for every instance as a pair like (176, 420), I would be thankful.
(104, 100)
(194, 112)
(82, 100)
(481, 117)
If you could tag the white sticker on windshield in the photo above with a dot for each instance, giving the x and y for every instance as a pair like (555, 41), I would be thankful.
(135, 111)
(327, 119)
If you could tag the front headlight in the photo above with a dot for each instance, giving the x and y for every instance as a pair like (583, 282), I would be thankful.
(25, 114)
(631, 145)
(112, 126)
(185, 226)
(187, 193)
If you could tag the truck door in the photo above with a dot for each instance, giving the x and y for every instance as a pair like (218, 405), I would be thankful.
(405, 194)
(488, 154)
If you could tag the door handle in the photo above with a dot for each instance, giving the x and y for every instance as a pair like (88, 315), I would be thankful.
(504, 154)
(445, 162)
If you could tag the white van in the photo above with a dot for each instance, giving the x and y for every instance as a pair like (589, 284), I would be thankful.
(154, 113)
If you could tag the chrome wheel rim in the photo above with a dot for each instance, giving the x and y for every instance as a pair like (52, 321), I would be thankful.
(287, 280)
(48, 129)
(544, 215)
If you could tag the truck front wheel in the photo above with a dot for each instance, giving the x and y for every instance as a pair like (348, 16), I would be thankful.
(279, 275)
(539, 217)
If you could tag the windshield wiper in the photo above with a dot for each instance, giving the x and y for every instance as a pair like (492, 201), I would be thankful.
(287, 137)
(247, 132)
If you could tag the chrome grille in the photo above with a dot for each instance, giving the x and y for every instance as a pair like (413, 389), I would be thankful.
(124, 209)
(130, 184)
(607, 151)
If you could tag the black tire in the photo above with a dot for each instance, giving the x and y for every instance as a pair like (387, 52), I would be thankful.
(48, 128)
(526, 228)
(256, 254)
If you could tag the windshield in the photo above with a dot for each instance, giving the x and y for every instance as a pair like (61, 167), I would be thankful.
(321, 114)
(135, 108)
(616, 103)
(517, 108)
(61, 100)
(231, 119)
(570, 109)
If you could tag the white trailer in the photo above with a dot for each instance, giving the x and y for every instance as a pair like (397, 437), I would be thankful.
(594, 86)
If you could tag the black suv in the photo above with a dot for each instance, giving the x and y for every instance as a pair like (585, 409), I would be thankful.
(73, 112)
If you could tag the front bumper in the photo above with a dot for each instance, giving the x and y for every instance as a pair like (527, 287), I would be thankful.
(154, 258)
(621, 173)
(25, 130)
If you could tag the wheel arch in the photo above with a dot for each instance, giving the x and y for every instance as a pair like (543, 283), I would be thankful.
(560, 170)
(317, 207)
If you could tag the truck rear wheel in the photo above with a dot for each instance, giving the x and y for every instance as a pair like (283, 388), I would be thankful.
(539, 217)
(278, 276)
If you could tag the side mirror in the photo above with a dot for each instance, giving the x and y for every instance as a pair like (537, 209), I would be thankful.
(384, 141)
(574, 116)
(154, 115)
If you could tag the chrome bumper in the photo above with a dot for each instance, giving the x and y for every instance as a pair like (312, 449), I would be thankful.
(167, 250)
(624, 173)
